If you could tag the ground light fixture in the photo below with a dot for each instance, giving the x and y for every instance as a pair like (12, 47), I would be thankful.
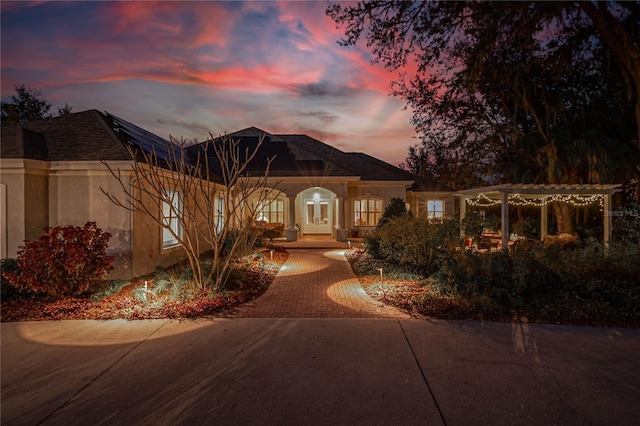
(380, 269)
(271, 253)
(349, 241)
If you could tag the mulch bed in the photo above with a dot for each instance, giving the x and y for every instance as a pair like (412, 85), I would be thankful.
(417, 299)
(422, 302)
(124, 305)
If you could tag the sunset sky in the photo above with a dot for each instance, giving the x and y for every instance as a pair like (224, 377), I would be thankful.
(187, 69)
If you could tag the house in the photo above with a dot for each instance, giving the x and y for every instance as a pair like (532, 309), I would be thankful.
(52, 173)
(323, 190)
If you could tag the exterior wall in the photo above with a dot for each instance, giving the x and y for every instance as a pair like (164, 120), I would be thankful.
(3, 220)
(40, 194)
(36, 203)
(148, 252)
(382, 190)
(347, 189)
(25, 187)
(418, 202)
(76, 197)
(12, 176)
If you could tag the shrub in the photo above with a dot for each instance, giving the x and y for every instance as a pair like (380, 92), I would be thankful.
(64, 261)
(395, 208)
(543, 274)
(8, 291)
(411, 242)
(627, 223)
(243, 241)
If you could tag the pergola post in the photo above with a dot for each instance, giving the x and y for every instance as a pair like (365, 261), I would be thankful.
(607, 221)
(463, 212)
(504, 210)
(544, 217)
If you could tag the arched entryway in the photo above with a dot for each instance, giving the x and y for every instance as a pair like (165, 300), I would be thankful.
(317, 211)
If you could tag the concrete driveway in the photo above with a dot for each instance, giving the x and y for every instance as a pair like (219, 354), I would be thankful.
(269, 371)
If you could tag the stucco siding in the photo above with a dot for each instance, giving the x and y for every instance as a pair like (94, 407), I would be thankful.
(14, 234)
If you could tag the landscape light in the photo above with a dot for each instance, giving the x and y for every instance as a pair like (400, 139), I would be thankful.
(380, 269)
(271, 252)
(349, 241)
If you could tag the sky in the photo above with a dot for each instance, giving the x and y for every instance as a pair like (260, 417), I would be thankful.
(189, 68)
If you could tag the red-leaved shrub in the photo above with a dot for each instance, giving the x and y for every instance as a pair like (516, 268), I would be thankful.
(64, 261)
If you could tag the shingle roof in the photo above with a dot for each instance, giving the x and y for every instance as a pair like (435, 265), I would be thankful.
(84, 136)
(70, 137)
(93, 135)
(302, 155)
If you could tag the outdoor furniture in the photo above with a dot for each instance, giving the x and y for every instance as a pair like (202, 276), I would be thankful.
(485, 242)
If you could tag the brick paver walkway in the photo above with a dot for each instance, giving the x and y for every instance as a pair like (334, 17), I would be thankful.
(316, 284)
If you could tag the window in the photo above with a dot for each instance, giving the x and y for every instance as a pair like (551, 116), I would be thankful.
(171, 215)
(367, 211)
(435, 209)
(271, 211)
(218, 212)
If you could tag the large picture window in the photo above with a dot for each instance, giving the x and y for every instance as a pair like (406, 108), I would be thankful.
(271, 211)
(171, 215)
(367, 211)
(435, 209)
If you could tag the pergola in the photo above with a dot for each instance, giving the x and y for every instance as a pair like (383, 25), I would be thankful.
(539, 195)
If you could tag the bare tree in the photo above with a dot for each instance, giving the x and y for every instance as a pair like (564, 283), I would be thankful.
(212, 209)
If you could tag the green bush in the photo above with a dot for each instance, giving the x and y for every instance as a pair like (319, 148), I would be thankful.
(246, 240)
(363, 263)
(411, 242)
(64, 261)
(527, 277)
(395, 208)
(627, 223)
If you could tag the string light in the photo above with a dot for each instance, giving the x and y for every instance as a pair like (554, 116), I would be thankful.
(572, 199)
(482, 201)
(517, 200)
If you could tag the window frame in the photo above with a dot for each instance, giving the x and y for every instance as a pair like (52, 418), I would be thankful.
(362, 210)
(266, 210)
(218, 211)
(435, 214)
(172, 215)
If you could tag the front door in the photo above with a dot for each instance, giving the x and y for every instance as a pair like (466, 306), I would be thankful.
(317, 214)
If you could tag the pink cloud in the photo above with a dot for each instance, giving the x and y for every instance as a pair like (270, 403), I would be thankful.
(223, 63)
(167, 22)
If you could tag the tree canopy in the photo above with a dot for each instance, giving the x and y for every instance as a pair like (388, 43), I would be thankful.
(542, 92)
(28, 105)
